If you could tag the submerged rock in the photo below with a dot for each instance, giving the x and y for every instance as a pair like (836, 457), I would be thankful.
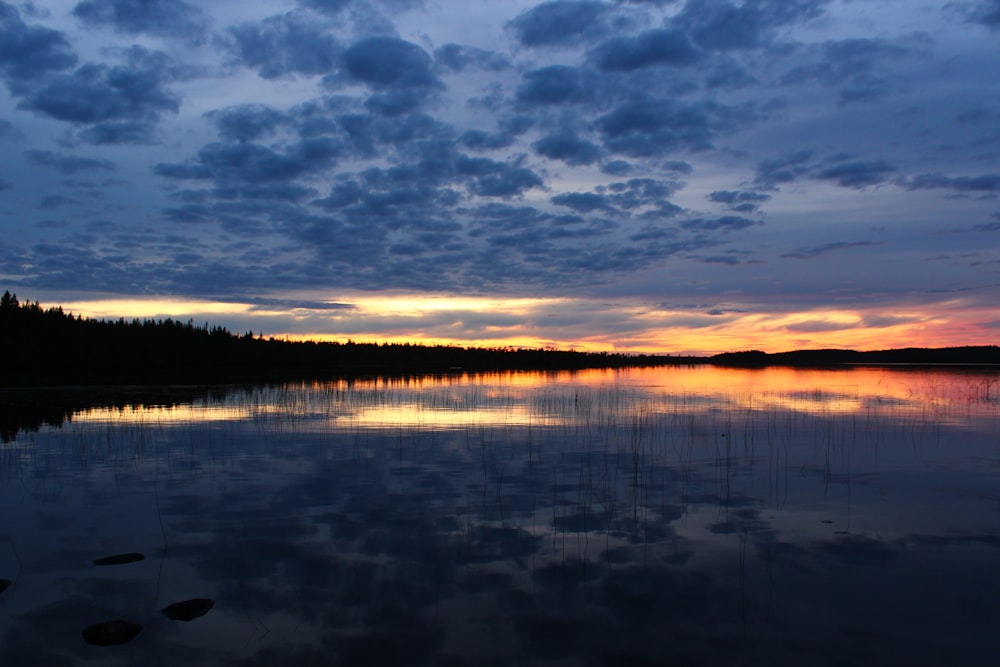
(111, 633)
(188, 609)
(119, 559)
(5, 584)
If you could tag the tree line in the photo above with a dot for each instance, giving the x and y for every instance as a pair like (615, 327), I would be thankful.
(51, 346)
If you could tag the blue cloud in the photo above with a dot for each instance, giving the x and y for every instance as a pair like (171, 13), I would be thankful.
(27, 51)
(652, 47)
(68, 164)
(561, 23)
(568, 147)
(156, 17)
(285, 44)
(556, 84)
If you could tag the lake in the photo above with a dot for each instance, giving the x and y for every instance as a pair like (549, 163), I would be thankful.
(678, 515)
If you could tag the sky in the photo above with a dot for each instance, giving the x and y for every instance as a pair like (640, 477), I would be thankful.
(671, 176)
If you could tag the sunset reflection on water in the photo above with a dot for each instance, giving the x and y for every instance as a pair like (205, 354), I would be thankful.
(689, 515)
(546, 398)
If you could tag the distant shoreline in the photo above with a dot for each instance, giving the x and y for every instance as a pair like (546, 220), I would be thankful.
(48, 347)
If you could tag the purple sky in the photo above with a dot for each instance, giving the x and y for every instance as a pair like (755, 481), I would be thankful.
(696, 175)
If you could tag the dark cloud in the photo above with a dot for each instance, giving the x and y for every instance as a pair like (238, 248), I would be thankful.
(987, 12)
(122, 103)
(856, 174)
(852, 63)
(728, 74)
(650, 127)
(561, 23)
(120, 132)
(723, 26)
(637, 193)
(616, 168)
(677, 166)
(725, 223)
(783, 169)
(400, 70)
(27, 51)
(67, 164)
(652, 47)
(556, 84)
(56, 201)
(174, 18)
(253, 164)
(326, 6)
(246, 122)
(285, 44)
(584, 202)
(740, 201)
(483, 141)
(568, 147)
(841, 170)
(984, 183)
(816, 251)
(458, 58)
(382, 62)
(497, 179)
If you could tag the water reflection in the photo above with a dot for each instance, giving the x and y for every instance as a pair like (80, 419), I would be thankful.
(689, 515)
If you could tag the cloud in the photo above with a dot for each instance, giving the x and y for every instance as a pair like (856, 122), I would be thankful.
(839, 169)
(561, 23)
(399, 69)
(783, 169)
(459, 58)
(723, 26)
(556, 84)
(857, 174)
(67, 164)
(27, 52)
(333, 7)
(483, 141)
(382, 62)
(568, 147)
(497, 179)
(816, 251)
(584, 202)
(244, 164)
(724, 223)
(986, 12)
(852, 63)
(121, 103)
(246, 122)
(649, 127)
(983, 183)
(740, 201)
(173, 18)
(56, 201)
(820, 325)
(285, 44)
(649, 48)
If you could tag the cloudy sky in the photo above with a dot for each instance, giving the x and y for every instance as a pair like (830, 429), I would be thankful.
(668, 175)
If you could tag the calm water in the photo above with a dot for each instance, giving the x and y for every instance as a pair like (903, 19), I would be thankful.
(689, 516)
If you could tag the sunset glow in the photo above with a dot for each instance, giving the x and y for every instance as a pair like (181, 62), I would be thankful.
(472, 322)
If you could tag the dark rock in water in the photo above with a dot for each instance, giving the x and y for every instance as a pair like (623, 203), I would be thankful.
(119, 559)
(5, 584)
(188, 609)
(111, 633)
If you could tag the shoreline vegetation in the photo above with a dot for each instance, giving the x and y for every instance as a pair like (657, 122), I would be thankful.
(47, 347)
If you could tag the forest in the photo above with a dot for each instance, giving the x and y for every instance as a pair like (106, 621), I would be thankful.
(47, 346)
